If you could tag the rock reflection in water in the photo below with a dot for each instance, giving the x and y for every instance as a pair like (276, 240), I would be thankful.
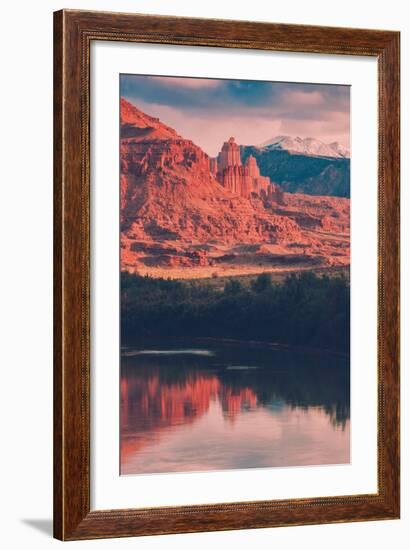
(232, 407)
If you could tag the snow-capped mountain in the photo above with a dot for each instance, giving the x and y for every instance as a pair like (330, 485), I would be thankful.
(306, 146)
(342, 152)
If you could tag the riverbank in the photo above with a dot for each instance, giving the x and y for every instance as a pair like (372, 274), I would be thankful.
(276, 276)
(304, 310)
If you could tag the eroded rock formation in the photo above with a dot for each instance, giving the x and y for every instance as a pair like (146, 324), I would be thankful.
(180, 209)
(244, 180)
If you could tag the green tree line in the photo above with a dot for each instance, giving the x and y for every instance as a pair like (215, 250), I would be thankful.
(303, 310)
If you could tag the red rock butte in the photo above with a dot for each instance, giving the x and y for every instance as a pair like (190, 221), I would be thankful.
(244, 180)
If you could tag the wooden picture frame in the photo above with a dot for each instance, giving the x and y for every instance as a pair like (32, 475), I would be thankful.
(74, 32)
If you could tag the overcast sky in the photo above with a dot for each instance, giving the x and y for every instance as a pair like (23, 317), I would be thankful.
(210, 111)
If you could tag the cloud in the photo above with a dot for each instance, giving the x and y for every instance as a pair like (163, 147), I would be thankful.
(298, 97)
(186, 82)
(208, 111)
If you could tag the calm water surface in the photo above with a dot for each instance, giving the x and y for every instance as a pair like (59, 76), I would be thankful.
(206, 405)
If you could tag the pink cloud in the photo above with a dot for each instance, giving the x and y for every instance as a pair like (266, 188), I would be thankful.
(209, 131)
(182, 82)
(305, 98)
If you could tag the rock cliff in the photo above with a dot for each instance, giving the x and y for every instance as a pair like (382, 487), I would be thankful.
(176, 214)
(241, 179)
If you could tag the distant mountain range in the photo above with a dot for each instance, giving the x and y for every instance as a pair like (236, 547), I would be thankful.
(307, 146)
(306, 165)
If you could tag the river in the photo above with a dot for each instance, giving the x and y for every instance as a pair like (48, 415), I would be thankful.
(215, 405)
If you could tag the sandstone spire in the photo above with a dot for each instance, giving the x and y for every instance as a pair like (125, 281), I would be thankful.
(244, 180)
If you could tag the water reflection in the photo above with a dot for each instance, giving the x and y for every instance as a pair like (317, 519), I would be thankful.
(224, 406)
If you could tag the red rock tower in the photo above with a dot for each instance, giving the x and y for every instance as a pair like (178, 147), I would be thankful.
(253, 167)
(230, 155)
(244, 180)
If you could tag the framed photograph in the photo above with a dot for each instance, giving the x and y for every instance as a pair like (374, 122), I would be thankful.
(226, 275)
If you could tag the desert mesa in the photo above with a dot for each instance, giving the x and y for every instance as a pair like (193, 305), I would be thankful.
(280, 207)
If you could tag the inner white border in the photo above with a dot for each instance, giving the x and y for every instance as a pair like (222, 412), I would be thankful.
(108, 489)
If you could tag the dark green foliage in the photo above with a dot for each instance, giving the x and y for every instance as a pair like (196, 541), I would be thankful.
(232, 287)
(304, 310)
(262, 282)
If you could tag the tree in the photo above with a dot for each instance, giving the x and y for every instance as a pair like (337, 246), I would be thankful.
(262, 282)
(232, 287)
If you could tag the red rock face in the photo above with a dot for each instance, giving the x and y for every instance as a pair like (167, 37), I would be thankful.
(178, 220)
(244, 180)
(137, 125)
